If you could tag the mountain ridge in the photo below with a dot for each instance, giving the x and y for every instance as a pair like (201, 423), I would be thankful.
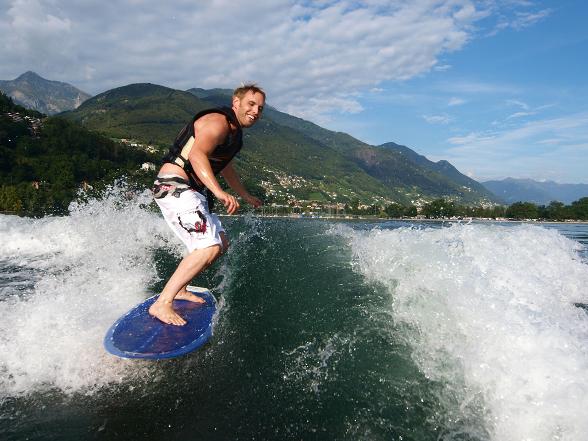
(50, 97)
(512, 190)
(332, 165)
(327, 165)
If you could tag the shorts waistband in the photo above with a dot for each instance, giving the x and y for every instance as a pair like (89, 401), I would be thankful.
(171, 178)
(169, 184)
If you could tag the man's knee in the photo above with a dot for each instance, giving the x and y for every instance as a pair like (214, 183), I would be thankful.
(214, 252)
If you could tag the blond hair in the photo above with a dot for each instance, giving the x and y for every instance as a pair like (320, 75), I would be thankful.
(240, 92)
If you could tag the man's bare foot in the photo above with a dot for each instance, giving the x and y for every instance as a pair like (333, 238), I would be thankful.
(164, 312)
(187, 295)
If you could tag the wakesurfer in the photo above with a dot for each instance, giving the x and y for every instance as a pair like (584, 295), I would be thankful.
(186, 184)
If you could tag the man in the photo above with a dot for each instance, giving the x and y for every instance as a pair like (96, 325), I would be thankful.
(185, 185)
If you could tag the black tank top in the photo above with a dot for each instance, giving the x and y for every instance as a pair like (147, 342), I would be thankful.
(219, 158)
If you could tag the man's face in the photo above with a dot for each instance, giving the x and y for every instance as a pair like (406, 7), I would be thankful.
(248, 109)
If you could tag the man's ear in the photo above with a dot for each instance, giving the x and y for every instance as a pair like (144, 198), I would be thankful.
(236, 101)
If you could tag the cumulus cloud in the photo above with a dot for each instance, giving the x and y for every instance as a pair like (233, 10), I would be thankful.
(312, 57)
(32, 34)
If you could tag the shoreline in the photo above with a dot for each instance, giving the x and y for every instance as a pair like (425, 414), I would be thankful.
(370, 219)
(410, 219)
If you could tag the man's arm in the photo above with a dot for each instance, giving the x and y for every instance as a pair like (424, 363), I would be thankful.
(235, 183)
(212, 129)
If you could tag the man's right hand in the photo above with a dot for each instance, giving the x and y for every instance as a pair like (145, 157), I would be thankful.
(229, 201)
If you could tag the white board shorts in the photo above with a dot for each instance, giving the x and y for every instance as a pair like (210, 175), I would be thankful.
(188, 216)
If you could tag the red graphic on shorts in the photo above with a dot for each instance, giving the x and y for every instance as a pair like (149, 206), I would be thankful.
(199, 227)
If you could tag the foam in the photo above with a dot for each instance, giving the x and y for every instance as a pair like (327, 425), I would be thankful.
(488, 311)
(84, 271)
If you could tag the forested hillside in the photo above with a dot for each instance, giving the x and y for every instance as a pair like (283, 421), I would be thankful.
(44, 161)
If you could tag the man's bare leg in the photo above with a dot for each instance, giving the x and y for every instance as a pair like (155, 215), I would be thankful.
(190, 266)
(184, 294)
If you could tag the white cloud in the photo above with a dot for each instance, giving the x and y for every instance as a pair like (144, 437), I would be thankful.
(518, 103)
(477, 87)
(454, 101)
(315, 59)
(520, 115)
(527, 110)
(312, 57)
(515, 15)
(442, 67)
(526, 19)
(33, 33)
(470, 140)
(548, 148)
(437, 119)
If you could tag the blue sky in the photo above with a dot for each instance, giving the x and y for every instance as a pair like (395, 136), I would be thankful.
(511, 103)
(496, 87)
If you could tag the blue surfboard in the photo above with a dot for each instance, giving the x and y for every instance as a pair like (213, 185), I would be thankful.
(139, 335)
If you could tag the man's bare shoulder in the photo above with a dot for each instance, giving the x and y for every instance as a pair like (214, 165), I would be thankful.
(211, 129)
(212, 123)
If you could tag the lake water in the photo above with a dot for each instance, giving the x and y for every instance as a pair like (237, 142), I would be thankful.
(327, 330)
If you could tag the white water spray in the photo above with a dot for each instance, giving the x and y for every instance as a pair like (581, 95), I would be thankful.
(76, 275)
(489, 311)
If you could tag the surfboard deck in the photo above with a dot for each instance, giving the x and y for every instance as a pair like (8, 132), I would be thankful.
(139, 335)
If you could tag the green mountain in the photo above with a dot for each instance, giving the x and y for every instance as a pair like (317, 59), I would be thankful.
(146, 112)
(408, 174)
(49, 97)
(43, 161)
(429, 174)
(289, 157)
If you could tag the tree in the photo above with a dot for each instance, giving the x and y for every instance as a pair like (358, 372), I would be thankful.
(522, 210)
(439, 208)
(394, 210)
(60, 156)
(9, 199)
(555, 211)
(411, 211)
(579, 209)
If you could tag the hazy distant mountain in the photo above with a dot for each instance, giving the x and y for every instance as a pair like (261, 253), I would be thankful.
(527, 190)
(49, 97)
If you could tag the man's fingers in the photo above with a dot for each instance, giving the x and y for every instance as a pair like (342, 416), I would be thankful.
(235, 206)
(231, 204)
